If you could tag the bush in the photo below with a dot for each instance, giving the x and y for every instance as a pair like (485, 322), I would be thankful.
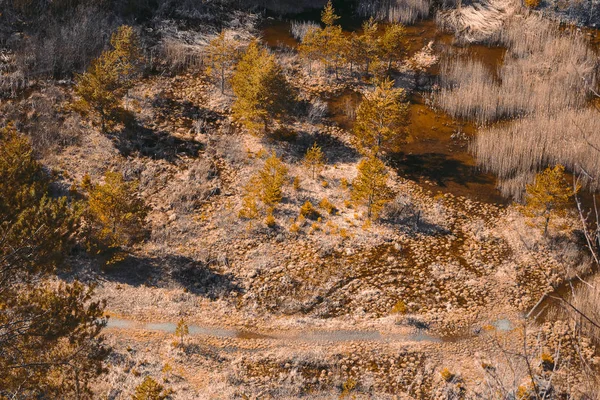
(327, 206)
(115, 216)
(309, 211)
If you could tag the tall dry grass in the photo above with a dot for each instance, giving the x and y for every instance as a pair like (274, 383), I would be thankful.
(544, 71)
(477, 21)
(586, 299)
(515, 151)
(299, 29)
(544, 85)
(403, 11)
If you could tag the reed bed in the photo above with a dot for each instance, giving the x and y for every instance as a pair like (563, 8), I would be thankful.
(516, 151)
(544, 71)
(544, 85)
(299, 29)
(403, 11)
(478, 21)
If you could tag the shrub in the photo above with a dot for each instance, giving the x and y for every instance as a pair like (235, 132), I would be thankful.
(309, 211)
(149, 389)
(270, 220)
(400, 308)
(115, 215)
(327, 206)
(447, 375)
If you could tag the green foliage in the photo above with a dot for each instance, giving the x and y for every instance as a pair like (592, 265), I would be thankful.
(182, 330)
(115, 216)
(266, 186)
(314, 160)
(222, 55)
(369, 44)
(50, 346)
(271, 179)
(261, 90)
(548, 196)
(393, 43)
(309, 211)
(101, 87)
(149, 389)
(370, 186)
(328, 16)
(380, 117)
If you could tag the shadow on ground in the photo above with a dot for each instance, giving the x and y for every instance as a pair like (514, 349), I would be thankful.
(197, 277)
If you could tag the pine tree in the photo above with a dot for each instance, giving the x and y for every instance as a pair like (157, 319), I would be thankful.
(271, 179)
(50, 346)
(328, 15)
(222, 55)
(101, 87)
(261, 90)
(182, 331)
(369, 43)
(149, 389)
(314, 159)
(393, 43)
(370, 186)
(116, 215)
(334, 47)
(266, 186)
(311, 47)
(548, 196)
(355, 52)
(380, 117)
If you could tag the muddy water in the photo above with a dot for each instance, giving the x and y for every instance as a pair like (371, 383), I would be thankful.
(436, 153)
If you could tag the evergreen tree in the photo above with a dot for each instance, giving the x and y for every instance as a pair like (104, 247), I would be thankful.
(380, 117)
(311, 47)
(266, 186)
(50, 343)
(328, 15)
(370, 186)
(101, 87)
(116, 215)
(149, 389)
(182, 331)
(393, 43)
(549, 196)
(314, 159)
(271, 179)
(369, 43)
(334, 47)
(222, 55)
(262, 93)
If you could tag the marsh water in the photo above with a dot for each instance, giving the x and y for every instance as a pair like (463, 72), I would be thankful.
(436, 152)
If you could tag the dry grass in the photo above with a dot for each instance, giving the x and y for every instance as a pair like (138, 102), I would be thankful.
(403, 11)
(299, 29)
(479, 21)
(544, 83)
(545, 71)
(587, 300)
(515, 152)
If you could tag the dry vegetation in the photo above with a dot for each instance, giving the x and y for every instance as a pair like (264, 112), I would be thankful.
(545, 82)
(249, 250)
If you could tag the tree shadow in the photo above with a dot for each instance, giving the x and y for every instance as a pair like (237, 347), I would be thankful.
(437, 167)
(199, 278)
(333, 148)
